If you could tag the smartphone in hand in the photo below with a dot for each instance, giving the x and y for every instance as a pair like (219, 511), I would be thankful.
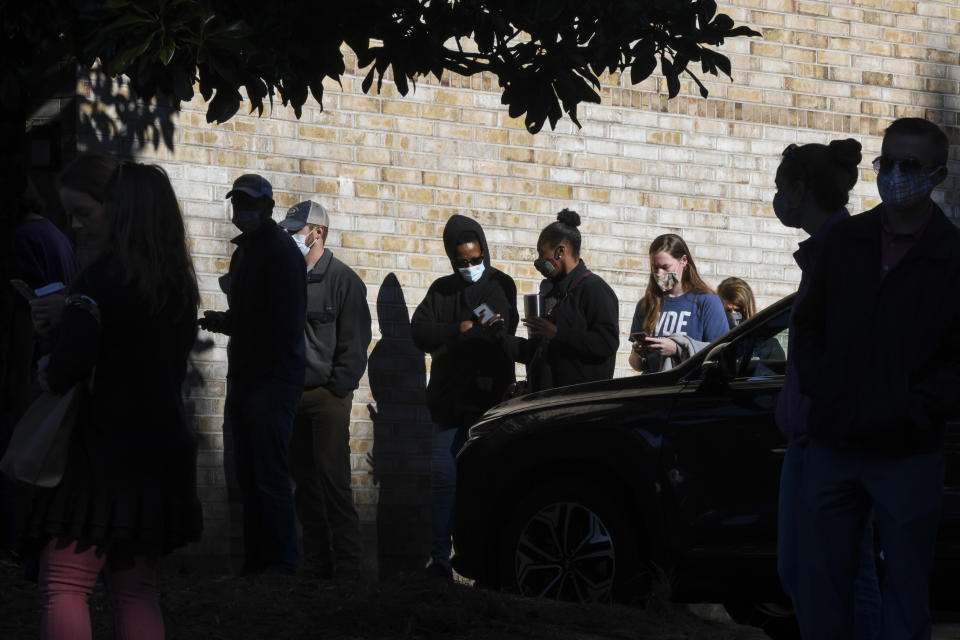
(639, 336)
(50, 289)
(484, 314)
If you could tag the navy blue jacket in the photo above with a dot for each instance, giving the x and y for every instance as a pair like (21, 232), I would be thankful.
(268, 307)
(879, 357)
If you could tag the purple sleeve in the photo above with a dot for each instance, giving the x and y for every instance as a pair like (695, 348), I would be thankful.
(28, 255)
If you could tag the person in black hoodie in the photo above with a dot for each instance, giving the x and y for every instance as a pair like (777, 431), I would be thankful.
(468, 374)
(577, 339)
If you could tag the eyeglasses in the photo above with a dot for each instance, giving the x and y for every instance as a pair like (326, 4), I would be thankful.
(883, 164)
(463, 263)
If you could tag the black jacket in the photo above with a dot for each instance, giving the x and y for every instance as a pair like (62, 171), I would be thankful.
(586, 312)
(268, 307)
(880, 357)
(468, 374)
(131, 467)
(338, 326)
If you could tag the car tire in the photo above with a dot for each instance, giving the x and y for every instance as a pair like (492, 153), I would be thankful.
(777, 620)
(569, 540)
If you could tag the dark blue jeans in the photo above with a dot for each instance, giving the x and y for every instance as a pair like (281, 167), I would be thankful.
(867, 602)
(261, 415)
(838, 489)
(443, 490)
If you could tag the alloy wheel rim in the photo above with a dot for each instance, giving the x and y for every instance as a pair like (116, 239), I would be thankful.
(565, 552)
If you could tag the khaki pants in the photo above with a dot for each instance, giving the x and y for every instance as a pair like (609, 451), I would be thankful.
(320, 466)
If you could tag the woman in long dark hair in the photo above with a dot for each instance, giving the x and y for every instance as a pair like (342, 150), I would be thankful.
(128, 493)
(678, 314)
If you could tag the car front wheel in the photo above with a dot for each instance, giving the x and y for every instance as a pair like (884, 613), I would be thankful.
(569, 541)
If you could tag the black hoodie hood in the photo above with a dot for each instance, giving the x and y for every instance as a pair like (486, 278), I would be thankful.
(456, 226)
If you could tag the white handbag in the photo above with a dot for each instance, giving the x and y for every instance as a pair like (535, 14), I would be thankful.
(37, 453)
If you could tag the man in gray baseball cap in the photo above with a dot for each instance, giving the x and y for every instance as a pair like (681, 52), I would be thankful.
(337, 334)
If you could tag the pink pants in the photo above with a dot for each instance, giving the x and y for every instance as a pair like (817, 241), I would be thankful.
(67, 578)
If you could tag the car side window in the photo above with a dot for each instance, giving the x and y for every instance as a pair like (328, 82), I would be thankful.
(762, 353)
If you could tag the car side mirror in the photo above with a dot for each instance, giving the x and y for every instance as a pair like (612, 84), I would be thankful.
(717, 367)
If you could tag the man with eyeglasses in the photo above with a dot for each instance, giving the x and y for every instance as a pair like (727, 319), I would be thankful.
(878, 353)
(459, 323)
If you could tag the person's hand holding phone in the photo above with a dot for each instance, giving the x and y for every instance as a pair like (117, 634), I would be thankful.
(664, 346)
(639, 340)
(46, 308)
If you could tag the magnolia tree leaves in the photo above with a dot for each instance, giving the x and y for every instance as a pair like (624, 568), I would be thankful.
(547, 55)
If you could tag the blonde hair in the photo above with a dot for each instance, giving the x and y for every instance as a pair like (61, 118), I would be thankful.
(739, 293)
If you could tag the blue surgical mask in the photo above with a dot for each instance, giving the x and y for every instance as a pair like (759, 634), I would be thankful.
(472, 274)
(247, 220)
(903, 189)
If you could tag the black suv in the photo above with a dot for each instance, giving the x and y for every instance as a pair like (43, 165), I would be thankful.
(587, 492)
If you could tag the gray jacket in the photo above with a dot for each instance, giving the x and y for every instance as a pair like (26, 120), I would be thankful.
(338, 326)
(686, 347)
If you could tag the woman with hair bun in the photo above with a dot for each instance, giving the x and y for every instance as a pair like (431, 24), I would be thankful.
(576, 337)
(813, 187)
(678, 314)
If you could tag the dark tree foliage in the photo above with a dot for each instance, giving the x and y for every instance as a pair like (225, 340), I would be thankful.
(546, 54)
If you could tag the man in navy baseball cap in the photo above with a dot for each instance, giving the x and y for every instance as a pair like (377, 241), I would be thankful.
(252, 200)
(266, 362)
(252, 184)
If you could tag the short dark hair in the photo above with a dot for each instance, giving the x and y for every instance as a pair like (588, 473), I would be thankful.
(921, 127)
(29, 201)
(565, 228)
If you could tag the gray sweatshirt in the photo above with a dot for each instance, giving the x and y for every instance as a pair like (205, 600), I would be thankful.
(338, 326)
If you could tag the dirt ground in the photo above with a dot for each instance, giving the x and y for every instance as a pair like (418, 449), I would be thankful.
(199, 606)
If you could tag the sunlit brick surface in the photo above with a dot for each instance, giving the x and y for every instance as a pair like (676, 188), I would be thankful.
(392, 169)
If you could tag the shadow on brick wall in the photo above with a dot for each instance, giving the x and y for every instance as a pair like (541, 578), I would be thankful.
(402, 430)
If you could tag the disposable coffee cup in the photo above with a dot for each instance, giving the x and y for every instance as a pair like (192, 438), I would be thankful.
(532, 305)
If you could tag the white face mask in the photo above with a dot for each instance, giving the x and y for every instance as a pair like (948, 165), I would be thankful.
(301, 241)
(471, 274)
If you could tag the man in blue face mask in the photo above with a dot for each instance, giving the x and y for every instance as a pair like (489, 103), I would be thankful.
(266, 294)
(878, 354)
(459, 324)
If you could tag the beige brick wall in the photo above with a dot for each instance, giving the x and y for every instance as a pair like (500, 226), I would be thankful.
(393, 169)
